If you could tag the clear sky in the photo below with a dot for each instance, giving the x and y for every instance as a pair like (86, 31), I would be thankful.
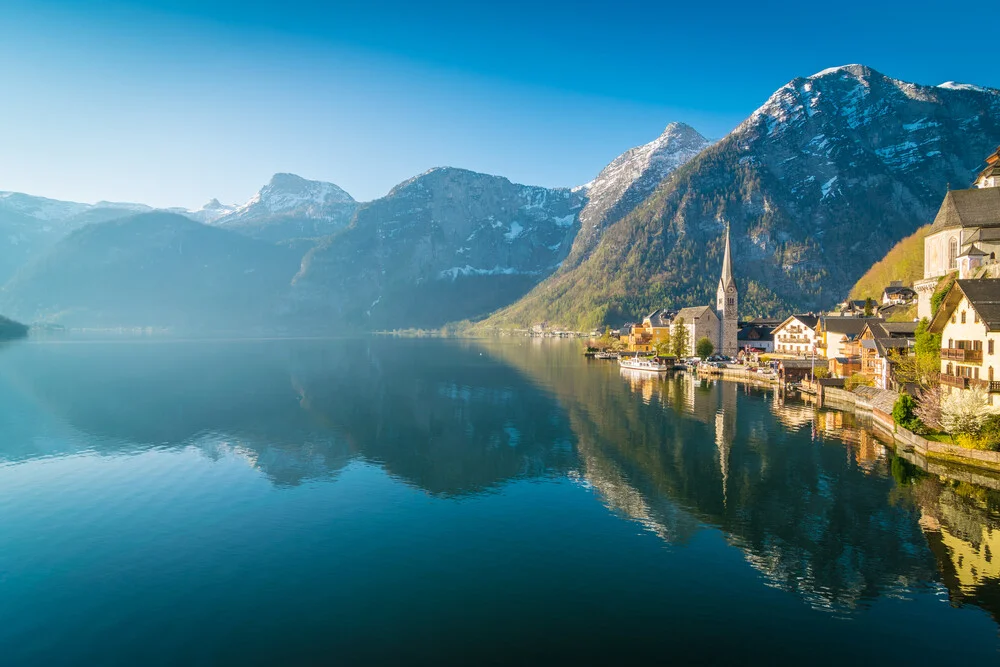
(172, 103)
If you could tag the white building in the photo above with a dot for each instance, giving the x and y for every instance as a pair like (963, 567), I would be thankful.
(969, 323)
(964, 236)
(796, 335)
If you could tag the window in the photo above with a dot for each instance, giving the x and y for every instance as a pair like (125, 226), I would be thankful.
(953, 318)
(975, 317)
(952, 254)
(990, 373)
(989, 346)
(963, 317)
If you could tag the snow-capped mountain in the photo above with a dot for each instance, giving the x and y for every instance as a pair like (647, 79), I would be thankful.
(446, 245)
(30, 225)
(817, 184)
(289, 207)
(208, 213)
(629, 179)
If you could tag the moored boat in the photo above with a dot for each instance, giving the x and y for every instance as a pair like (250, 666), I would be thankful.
(648, 364)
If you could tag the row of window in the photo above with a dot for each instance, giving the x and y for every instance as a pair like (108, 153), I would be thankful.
(971, 372)
(974, 314)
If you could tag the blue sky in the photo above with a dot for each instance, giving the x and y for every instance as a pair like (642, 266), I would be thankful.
(171, 103)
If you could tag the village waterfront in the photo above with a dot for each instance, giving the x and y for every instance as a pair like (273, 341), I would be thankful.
(443, 501)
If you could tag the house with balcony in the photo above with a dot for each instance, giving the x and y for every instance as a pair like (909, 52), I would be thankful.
(969, 323)
(835, 333)
(880, 345)
(796, 335)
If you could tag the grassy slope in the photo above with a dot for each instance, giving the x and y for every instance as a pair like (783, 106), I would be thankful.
(904, 262)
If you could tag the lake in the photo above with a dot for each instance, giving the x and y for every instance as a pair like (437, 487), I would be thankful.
(450, 502)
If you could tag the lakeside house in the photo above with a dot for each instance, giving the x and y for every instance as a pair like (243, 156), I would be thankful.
(835, 333)
(796, 335)
(969, 323)
(756, 337)
(880, 345)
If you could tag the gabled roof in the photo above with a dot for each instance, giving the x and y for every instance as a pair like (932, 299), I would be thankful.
(976, 207)
(898, 289)
(849, 326)
(808, 320)
(661, 317)
(693, 312)
(973, 251)
(983, 294)
(754, 332)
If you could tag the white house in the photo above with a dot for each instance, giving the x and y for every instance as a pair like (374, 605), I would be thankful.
(969, 323)
(796, 335)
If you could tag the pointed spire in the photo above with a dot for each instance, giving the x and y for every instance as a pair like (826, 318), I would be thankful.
(727, 265)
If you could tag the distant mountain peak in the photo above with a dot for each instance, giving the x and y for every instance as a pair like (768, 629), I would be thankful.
(290, 206)
(855, 70)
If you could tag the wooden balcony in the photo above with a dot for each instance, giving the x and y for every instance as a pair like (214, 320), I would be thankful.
(986, 385)
(958, 354)
(954, 381)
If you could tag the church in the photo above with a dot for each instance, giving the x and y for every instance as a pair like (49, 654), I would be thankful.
(719, 324)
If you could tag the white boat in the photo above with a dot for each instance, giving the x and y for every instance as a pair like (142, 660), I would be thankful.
(648, 364)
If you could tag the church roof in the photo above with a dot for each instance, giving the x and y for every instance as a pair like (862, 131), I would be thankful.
(727, 266)
(661, 317)
(692, 313)
(976, 207)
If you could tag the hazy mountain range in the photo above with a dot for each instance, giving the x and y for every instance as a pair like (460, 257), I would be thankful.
(816, 186)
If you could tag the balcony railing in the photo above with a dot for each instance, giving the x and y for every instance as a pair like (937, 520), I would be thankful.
(959, 354)
(954, 381)
(986, 385)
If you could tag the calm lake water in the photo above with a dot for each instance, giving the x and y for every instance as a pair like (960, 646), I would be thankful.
(458, 502)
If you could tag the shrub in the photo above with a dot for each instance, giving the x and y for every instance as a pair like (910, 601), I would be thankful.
(904, 413)
(965, 411)
(704, 348)
(928, 408)
(821, 373)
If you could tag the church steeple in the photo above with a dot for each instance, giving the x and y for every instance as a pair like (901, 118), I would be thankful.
(727, 266)
(726, 304)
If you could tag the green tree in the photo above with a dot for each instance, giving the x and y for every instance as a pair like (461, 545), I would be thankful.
(904, 413)
(704, 348)
(680, 338)
(869, 306)
(857, 380)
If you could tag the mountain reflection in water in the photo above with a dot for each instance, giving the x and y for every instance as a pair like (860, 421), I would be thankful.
(810, 499)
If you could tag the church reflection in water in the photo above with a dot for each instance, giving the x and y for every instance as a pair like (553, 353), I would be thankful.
(811, 498)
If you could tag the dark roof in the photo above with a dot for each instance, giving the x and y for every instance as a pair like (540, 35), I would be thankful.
(976, 207)
(849, 326)
(661, 317)
(883, 345)
(973, 251)
(898, 289)
(902, 330)
(983, 294)
(796, 363)
(754, 332)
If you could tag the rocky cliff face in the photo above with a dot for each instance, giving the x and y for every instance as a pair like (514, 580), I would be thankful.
(817, 185)
(629, 180)
(446, 245)
(290, 207)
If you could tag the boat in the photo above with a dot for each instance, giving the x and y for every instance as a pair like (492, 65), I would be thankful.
(648, 364)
